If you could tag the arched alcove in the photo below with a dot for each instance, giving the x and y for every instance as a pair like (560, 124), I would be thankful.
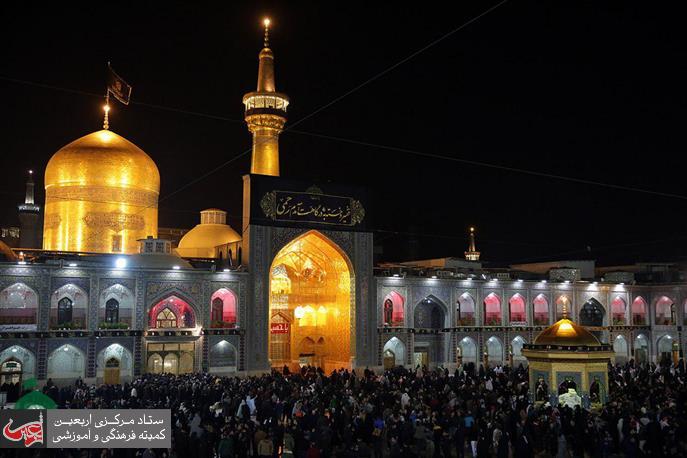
(319, 304)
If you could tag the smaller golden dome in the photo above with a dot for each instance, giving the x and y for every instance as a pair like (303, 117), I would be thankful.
(566, 333)
(200, 242)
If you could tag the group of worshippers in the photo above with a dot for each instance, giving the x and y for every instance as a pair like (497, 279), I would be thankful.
(399, 413)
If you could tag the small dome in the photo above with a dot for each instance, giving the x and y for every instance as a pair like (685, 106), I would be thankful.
(200, 242)
(566, 333)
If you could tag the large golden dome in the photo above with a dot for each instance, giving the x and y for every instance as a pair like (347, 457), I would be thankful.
(200, 242)
(566, 333)
(101, 196)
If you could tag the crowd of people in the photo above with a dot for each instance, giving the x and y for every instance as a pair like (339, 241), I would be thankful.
(400, 413)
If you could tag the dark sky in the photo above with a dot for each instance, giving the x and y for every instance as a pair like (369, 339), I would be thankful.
(592, 91)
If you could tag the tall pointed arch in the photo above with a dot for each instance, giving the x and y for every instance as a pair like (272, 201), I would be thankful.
(311, 273)
(541, 310)
(639, 311)
(465, 310)
(18, 307)
(492, 310)
(517, 309)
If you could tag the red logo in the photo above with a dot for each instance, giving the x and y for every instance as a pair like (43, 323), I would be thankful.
(30, 432)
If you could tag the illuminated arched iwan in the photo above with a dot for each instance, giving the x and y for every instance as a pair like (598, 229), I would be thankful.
(311, 305)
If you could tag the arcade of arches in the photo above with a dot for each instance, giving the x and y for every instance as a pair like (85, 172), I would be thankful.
(311, 305)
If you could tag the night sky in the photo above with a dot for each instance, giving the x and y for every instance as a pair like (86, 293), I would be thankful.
(594, 91)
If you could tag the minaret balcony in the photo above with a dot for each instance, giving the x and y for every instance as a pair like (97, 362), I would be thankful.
(29, 208)
(265, 103)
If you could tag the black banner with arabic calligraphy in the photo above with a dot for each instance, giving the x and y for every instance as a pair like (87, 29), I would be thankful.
(279, 202)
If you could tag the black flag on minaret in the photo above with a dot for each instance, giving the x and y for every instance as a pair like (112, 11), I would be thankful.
(116, 86)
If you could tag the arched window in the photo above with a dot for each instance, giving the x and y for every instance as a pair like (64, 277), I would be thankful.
(492, 310)
(641, 349)
(112, 311)
(393, 309)
(18, 306)
(665, 349)
(618, 311)
(494, 350)
(465, 310)
(639, 311)
(665, 311)
(69, 307)
(166, 319)
(217, 306)
(184, 314)
(64, 311)
(592, 313)
(223, 309)
(66, 362)
(516, 347)
(116, 307)
(468, 350)
(541, 310)
(516, 309)
(620, 349)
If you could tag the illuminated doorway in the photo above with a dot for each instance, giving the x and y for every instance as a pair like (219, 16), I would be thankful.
(111, 372)
(421, 359)
(389, 359)
(311, 305)
(171, 358)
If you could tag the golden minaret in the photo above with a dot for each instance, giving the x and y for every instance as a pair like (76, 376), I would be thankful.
(472, 254)
(265, 114)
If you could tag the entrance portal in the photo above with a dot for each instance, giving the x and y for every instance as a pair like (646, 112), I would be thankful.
(311, 305)
(170, 358)
(421, 358)
(389, 359)
(111, 372)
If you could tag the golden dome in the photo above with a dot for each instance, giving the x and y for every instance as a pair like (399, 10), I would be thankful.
(566, 333)
(200, 242)
(101, 195)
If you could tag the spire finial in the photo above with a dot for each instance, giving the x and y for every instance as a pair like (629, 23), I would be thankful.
(565, 310)
(106, 109)
(266, 22)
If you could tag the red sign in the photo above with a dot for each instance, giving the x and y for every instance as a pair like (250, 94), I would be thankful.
(30, 432)
(279, 328)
